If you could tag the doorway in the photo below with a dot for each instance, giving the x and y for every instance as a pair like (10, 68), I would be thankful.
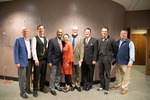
(139, 39)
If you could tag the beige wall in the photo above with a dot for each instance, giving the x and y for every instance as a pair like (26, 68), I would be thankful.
(54, 14)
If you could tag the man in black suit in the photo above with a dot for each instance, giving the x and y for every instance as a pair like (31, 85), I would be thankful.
(55, 46)
(89, 60)
(106, 50)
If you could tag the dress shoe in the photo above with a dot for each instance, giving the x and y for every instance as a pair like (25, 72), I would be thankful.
(23, 95)
(66, 89)
(106, 92)
(28, 91)
(79, 89)
(100, 89)
(58, 88)
(53, 92)
(44, 90)
(123, 91)
(88, 88)
(72, 88)
(84, 88)
(35, 93)
(114, 87)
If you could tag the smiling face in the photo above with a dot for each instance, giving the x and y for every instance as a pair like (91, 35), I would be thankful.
(66, 38)
(41, 30)
(87, 33)
(104, 32)
(75, 30)
(59, 33)
(123, 34)
(25, 33)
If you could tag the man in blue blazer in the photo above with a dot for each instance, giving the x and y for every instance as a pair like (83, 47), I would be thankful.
(22, 54)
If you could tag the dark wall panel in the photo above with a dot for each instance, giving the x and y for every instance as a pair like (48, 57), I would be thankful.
(54, 14)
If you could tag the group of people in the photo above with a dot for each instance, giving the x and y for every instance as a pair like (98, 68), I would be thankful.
(70, 55)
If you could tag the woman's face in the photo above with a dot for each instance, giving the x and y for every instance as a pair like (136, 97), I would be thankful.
(66, 38)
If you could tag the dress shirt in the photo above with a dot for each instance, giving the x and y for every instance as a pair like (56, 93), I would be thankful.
(28, 46)
(34, 52)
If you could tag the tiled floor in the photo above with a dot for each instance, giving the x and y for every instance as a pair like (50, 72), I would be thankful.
(139, 89)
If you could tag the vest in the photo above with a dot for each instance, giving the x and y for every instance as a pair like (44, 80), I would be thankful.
(41, 48)
(122, 56)
(103, 48)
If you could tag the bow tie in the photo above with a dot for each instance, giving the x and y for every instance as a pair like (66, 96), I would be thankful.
(41, 36)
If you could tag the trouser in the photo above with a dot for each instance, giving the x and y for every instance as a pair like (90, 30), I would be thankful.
(122, 75)
(68, 79)
(28, 73)
(104, 72)
(87, 74)
(55, 76)
(39, 73)
(76, 76)
(22, 79)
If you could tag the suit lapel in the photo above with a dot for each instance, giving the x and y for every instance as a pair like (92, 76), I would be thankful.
(57, 44)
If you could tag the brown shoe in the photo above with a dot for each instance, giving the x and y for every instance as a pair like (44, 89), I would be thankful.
(114, 87)
(123, 91)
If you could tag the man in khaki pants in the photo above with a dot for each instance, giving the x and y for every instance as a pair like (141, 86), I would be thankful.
(125, 57)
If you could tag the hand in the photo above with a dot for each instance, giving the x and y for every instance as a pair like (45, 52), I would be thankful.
(80, 61)
(129, 65)
(49, 64)
(18, 66)
(93, 62)
(36, 62)
(67, 64)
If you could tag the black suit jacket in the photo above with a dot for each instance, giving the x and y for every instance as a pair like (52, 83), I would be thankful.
(110, 48)
(90, 50)
(54, 51)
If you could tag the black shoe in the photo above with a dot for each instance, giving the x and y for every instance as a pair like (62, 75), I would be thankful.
(88, 88)
(106, 92)
(23, 95)
(84, 88)
(53, 92)
(58, 88)
(28, 91)
(79, 89)
(44, 90)
(72, 88)
(35, 94)
(100, 89)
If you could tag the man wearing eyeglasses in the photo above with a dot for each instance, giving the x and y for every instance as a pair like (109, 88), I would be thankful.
(106, 50)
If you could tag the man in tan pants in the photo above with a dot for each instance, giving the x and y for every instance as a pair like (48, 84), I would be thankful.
(125, 57)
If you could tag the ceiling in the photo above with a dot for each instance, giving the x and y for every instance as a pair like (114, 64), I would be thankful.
(130, 5)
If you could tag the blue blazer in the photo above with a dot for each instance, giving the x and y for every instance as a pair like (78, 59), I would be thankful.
(20, 52)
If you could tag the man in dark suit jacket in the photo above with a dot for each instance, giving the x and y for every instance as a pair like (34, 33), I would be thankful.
(106, 50)
(22, 54)
(89, 60)
(55, 46)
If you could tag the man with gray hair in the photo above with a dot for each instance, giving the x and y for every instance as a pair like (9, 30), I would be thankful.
(22, 57)
(78, 51)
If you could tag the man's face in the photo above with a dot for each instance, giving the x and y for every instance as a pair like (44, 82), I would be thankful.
(75, 30)
(87, 33)
(59, 33)
(104, 32)
(41, 30)
(123, 34)
(25, 33)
